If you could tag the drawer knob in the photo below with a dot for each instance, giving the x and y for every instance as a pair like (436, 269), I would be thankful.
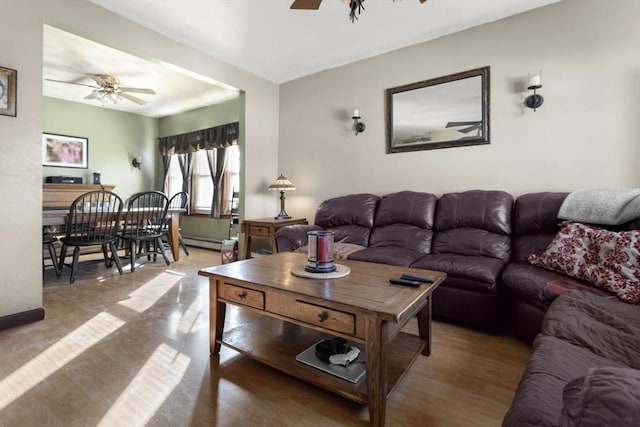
(241, 295)
(323, 316)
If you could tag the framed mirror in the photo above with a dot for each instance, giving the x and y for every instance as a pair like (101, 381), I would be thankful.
(449, 111)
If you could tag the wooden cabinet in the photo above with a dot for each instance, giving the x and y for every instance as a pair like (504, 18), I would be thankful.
(60, 196)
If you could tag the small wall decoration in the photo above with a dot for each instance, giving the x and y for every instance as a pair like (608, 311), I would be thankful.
(449, 111)
(65, 151)
(8, 91)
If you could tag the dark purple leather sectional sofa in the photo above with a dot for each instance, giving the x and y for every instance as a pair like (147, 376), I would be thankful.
(482, 239)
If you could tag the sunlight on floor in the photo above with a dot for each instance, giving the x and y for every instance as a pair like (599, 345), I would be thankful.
(56, 356)
(153, 383)
(148, 294)
(196, 317)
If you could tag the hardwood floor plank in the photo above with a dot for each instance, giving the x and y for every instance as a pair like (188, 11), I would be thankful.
(152, 366)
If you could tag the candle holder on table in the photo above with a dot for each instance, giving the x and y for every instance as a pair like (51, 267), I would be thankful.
(320, 252)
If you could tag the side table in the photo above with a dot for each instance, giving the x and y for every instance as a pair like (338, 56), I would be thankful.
(265, 227)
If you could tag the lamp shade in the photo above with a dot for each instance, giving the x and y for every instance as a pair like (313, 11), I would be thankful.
(282, 184)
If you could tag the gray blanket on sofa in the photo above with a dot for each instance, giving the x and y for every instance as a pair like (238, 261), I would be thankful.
(602, 206)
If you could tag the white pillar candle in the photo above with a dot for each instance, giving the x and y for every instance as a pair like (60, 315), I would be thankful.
(356, 112)
(534, 80)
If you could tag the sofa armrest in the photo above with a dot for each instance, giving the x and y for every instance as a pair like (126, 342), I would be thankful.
(291, 237)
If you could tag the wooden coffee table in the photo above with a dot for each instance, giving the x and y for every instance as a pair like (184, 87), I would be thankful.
(298, 312)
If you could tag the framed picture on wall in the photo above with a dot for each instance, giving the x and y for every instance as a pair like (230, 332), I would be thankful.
(65, 151)
(8, 90)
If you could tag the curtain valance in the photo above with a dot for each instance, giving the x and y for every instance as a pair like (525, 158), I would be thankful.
(205, 139)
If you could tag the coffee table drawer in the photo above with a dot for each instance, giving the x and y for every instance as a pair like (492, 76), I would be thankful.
(240, 295)
(327, 318)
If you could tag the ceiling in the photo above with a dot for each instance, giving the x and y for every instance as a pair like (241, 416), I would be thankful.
(264, 37)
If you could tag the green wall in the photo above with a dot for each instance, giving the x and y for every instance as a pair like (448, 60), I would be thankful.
(115, 138)
(203, 118)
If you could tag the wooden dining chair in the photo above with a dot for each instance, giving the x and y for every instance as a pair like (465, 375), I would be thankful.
(93, 220)
(144, 222)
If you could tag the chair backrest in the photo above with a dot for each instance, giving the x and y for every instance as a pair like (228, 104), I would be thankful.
(180, 201)
(146, 215)
(94, 217)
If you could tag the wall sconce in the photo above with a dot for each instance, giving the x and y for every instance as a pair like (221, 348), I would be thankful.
(358, 126)
(282, 184)
(136, 162)
(534, 83)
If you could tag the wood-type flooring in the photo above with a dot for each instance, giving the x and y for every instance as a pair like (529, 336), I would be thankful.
(133, 350)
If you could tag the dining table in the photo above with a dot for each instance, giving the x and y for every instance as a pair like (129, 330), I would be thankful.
(53, 218)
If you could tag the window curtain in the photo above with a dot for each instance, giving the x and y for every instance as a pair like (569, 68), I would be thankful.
(216, 162)
(186, 162)
(166, 162)
(205, 139)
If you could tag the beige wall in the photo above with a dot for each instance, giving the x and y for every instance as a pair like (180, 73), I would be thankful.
(20, 165)
(585, 135)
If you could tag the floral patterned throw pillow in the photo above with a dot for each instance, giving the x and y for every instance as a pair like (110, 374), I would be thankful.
(604, 258)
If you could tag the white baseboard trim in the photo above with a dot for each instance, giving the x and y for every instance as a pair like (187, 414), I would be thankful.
(202, 242)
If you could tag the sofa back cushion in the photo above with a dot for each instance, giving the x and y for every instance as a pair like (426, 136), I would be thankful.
(475, 222)
(535, 223)
(405, 220)
(349, 217)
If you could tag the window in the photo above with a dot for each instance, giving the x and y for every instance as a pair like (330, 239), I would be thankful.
(201, 194)
(231, 180)
(174, 177)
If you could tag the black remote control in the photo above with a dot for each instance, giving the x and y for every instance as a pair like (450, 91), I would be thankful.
(405, 282)
(417, 278)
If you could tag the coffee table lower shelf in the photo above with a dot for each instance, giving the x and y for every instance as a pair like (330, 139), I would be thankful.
(276, 343)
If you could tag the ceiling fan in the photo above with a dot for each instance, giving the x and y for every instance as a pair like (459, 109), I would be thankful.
(108, 89)
(354, 5)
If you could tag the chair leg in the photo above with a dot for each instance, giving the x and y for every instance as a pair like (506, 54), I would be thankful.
(164, 253)
(107, 261)
(54, 258)
(132, 255)
(63, 255)
(116, 258)
(184, 247)
(74, 264)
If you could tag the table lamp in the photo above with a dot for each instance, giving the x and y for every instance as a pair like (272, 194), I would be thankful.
(282, 184)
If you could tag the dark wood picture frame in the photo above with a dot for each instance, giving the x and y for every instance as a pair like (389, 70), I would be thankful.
(444, 112)
(65, 151)
(8, 91)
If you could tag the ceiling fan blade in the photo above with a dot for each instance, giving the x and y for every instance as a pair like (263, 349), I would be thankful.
(305, 4)
(132, 98)
(90, 96)
(72, 83)
(138, 90)
(98, 80)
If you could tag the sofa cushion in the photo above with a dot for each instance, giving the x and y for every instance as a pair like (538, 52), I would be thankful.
(535, 223)
(350, 217)
(472, 241)
(476, 273)
(539, 287)
(486, 210)
(386, 255)
(605, 326)
(405, 220)
(605, 396)
(474, 223)
(554, 362)
(605, 258)
(341, 250)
